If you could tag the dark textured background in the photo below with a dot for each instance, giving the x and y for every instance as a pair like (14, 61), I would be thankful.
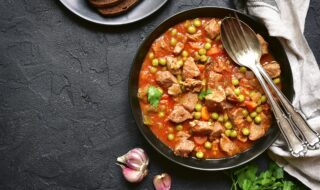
(64, 111)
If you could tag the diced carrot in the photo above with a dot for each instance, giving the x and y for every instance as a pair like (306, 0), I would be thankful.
(200, 139)
(201, 67)
(251, 106)
(213, 50)
(205, 114)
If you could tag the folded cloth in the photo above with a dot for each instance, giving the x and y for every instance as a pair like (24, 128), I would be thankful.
(285, 20)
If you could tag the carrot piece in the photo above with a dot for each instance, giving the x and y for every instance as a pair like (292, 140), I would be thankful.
(251, 106)
(205, 114)
(200, 139)
(201, 67)
(213, 50)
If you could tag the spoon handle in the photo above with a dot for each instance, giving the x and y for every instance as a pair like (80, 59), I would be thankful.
(309, 135)
(296, 145)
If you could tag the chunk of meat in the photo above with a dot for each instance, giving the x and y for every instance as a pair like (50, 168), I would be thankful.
(228, 146)
(231, 96)
(263, 44)
(160, 45)
(165, 78)
(178, 48)
(218, 129)
(190, 69)
(213, 28)
(142, 94)
(189, 100)
(184, 148)
(256, 131)
(196, 36)
(273, 69)
(179, 114)
(214, 101)
(181, 135)
(173, 65)
(236, 117)
(192, 85)
(221, 63)
(174, 89)
(214, 79)
(201, 127)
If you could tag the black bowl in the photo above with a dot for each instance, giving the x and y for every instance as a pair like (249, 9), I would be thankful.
(209, 164)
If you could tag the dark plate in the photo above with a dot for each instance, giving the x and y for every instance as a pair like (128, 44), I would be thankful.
(140, 11)
(210, 164)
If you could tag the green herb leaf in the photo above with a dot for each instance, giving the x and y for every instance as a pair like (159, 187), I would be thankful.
(204, 93)
(154, 95)
(248, 178)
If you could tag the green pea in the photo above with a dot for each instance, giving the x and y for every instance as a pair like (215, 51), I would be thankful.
(207, 46)
(155, 62)
(241, 98)
(202, 51)
(257, 119)
(243, 69)
(245, 131)
(197, 22)
(259, 109)
(198, 107)
(170, 137)
(174, 32)
(161, 114)
(228, 125)
(237, 91)
(203, 58)
(151, 55)
(153, 69)
(208, 145)
(215, 115)
(263, 99)
(179, 127)
(185, 53)
(220, 119)
(245, 112)
(173, 41)
(170, 129)
(235, 82)
(253, 114)
(233, 134)
(249, 119)
(196, 56)
(197, 115)
(199, 154)
(276, 81)
(227, 132)
(162, 61)
(192, 29)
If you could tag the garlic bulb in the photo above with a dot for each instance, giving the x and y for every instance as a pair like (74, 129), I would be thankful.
(162, 182)
(134, 165)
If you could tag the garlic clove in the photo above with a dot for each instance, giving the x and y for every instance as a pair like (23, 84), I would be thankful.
(131, 175)
(134, 165)
(162, 182)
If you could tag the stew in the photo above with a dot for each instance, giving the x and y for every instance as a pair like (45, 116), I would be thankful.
(196, 100)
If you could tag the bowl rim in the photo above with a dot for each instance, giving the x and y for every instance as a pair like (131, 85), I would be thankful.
(130, 89)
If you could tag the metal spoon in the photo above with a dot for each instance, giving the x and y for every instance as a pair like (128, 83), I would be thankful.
(243, 47)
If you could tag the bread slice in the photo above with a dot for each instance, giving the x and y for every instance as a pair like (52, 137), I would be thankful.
(122, 7)
(104, 3)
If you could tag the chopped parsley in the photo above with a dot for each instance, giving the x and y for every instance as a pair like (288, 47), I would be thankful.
(154, 95)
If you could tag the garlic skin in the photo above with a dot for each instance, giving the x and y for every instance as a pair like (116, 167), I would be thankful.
(134, 165)
(162, 182)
